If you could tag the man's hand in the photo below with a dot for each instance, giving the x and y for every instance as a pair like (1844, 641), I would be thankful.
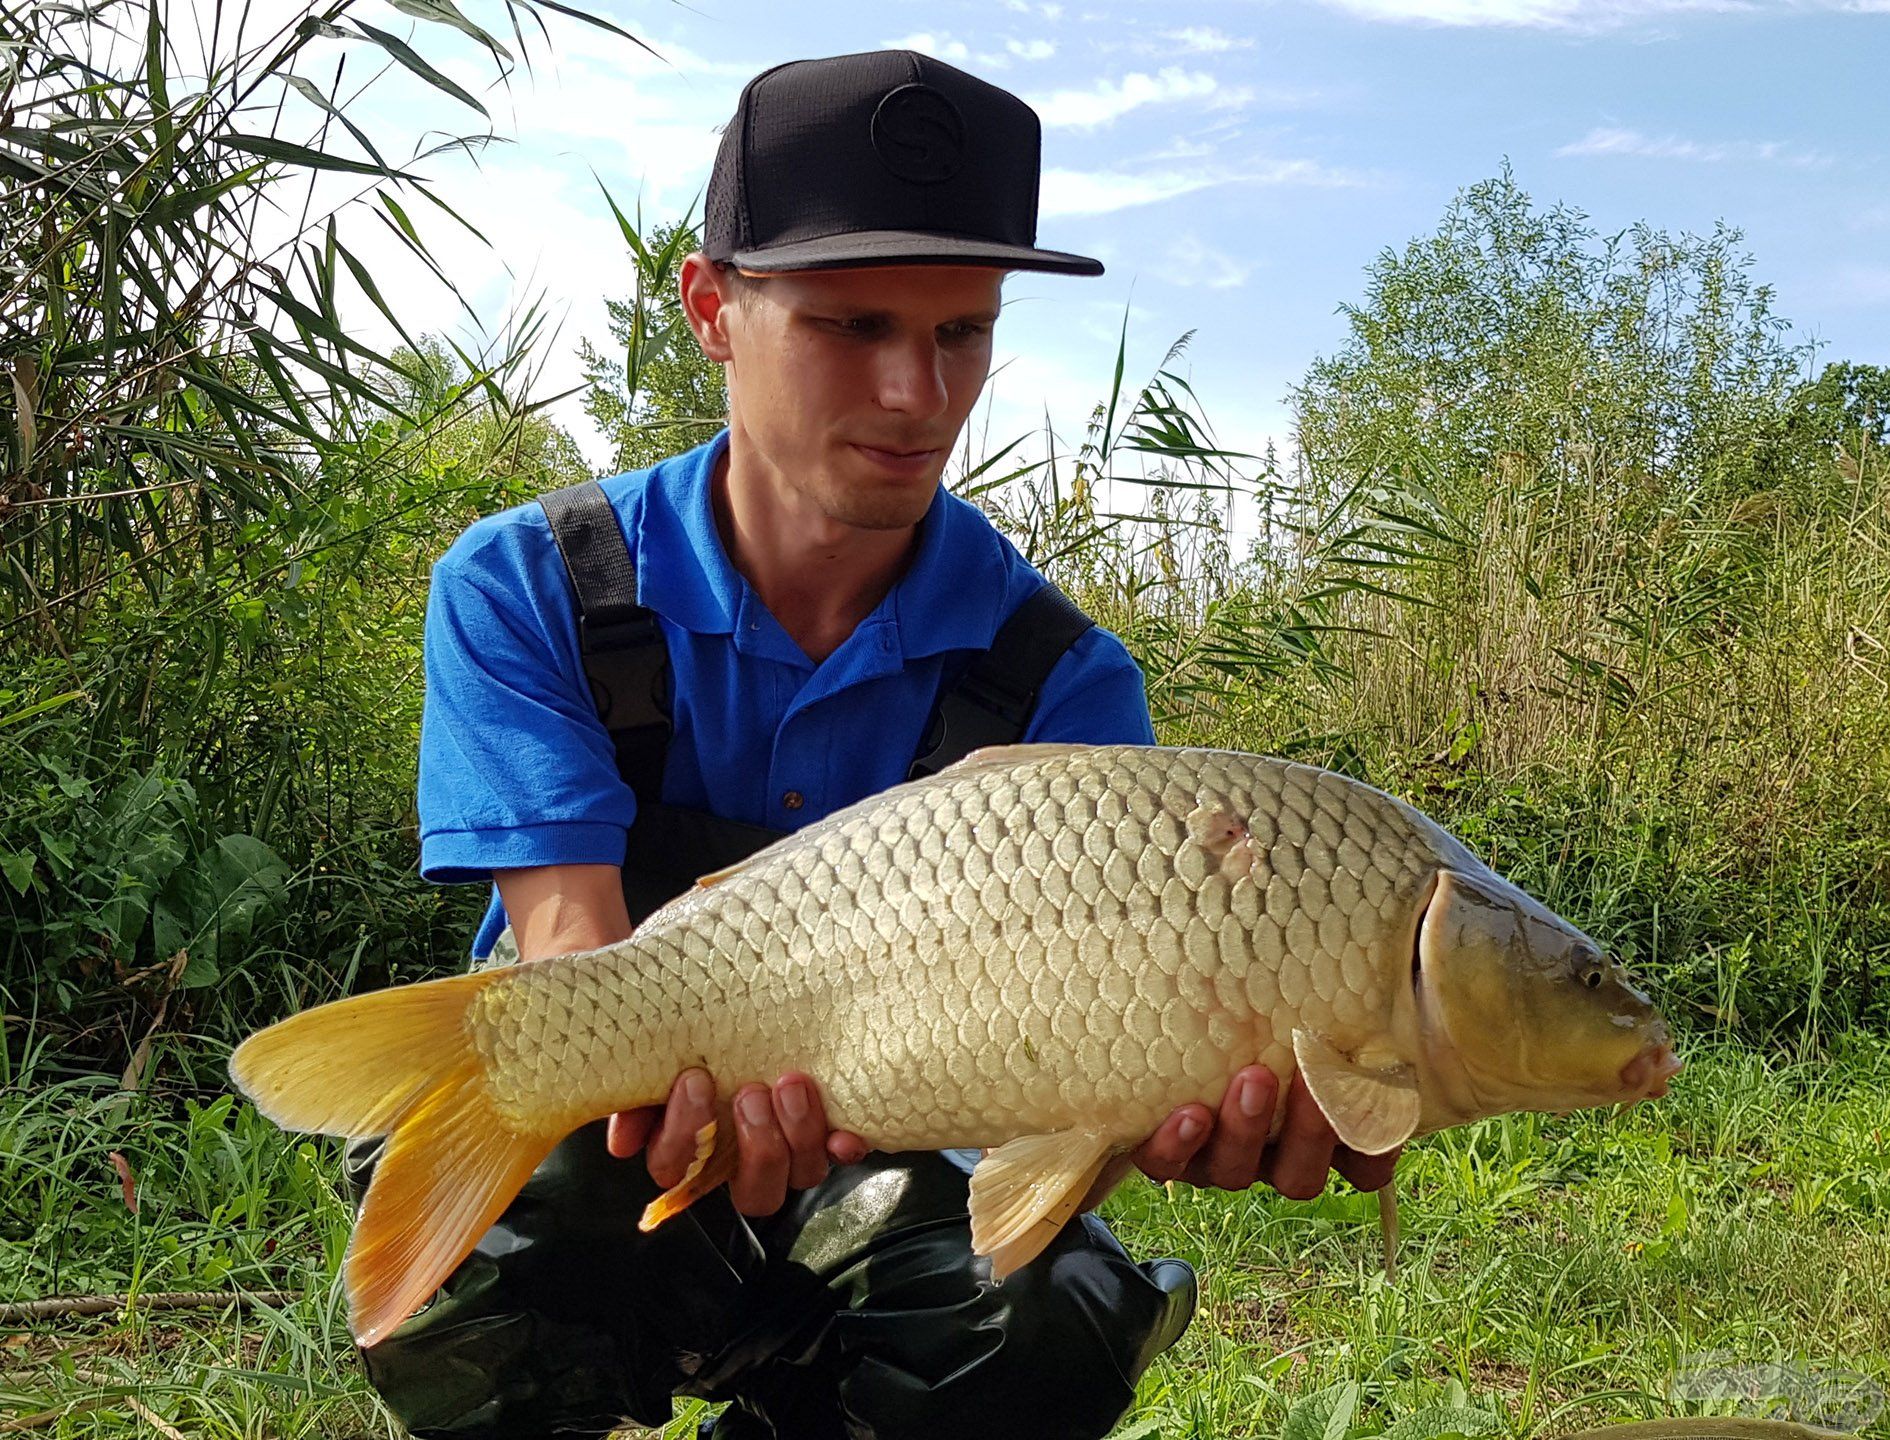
(781, 1135)
(1229, 1150)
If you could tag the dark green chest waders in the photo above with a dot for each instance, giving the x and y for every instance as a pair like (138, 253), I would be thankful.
(855, 1313)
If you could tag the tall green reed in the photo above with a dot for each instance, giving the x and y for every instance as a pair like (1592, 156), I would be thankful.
(218, 501)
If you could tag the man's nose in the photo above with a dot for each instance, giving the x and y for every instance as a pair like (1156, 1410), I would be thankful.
(912, 378)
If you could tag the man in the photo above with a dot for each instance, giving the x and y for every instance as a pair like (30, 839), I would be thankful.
(829, 621)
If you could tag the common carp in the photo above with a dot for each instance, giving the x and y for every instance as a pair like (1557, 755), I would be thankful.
(1042, 950)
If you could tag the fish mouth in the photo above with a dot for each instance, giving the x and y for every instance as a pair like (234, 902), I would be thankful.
(1645, 1077)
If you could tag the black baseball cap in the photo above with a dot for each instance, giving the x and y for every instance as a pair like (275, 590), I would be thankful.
(888, 157)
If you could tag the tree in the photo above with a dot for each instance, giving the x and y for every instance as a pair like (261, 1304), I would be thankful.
(1518, 341)
(1847, 407)
(664, 396)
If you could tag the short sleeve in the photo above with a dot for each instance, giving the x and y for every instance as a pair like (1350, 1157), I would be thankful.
(515, 767)
(1094, 696)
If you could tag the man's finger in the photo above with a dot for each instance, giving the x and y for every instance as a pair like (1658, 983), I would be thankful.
(691, 1106)
(846, 1148)
(629, 1130)
(1299, 1162)
(1231, 1160)
(1166, 1153)
(803, 1121)
(1366, 1172)
(761, 1170)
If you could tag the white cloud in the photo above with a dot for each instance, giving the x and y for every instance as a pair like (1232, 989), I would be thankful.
(1109, 100)
(1192, 262)
(1536, 14)
(1604, 140)
(942, 47)
(647, 127)
(1206, 40)
(1101, 192)
(1181, 149)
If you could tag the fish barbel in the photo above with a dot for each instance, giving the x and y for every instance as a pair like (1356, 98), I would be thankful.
(1042, 950)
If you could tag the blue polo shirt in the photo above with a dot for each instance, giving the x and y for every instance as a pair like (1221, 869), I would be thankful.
(516, 769)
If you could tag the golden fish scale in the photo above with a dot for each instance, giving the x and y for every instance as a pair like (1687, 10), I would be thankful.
(1008, 948)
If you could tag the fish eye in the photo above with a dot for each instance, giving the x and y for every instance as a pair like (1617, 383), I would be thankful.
(1591, 977)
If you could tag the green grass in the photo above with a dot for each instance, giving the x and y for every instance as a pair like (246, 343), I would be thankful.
(1555, 1273)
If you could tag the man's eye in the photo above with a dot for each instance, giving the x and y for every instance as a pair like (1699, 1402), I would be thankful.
(855, 325)
(965, 330)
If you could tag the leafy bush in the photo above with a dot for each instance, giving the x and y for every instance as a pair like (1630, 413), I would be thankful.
(218, 507)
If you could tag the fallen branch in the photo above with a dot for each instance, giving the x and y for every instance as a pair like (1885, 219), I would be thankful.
(46, 1417)
(163, 1300)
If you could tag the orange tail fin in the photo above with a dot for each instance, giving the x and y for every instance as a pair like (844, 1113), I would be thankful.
(398, 1063)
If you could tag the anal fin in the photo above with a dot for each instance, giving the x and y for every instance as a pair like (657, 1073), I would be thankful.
(1024, 1192)
(450, 1168)
(714, 1165)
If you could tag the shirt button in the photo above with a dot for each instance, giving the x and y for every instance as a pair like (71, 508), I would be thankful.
(793, 800)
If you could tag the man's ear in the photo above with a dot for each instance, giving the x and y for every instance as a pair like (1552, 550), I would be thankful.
(709, 302)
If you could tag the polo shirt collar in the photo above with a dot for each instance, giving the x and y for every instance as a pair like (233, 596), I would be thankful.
(950, 598)
(952, 595)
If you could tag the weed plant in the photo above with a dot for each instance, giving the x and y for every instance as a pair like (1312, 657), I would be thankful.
(1725, 1250)
(218, 507)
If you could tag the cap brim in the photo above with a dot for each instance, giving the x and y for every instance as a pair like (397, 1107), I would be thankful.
(865, 248)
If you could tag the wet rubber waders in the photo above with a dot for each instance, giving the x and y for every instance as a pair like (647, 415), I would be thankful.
(857, 1312)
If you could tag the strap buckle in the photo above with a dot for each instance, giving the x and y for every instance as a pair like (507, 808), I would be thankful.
(627, 665)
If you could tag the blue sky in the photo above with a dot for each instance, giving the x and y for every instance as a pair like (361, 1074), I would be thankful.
(1236, 163)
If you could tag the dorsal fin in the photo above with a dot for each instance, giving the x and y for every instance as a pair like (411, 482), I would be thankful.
(994, 757)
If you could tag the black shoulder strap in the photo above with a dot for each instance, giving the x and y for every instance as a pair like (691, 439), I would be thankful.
(622, 646)
(627, 663)
(993, 700)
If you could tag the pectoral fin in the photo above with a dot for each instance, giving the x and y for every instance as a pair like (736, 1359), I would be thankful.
(1371, 1109)
(713, 1165)
(1024, 1192)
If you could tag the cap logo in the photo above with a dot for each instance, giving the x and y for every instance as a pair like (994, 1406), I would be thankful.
(919, 134)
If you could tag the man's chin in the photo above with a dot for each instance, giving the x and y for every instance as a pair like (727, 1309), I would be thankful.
(870, 497)
(882, 511)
